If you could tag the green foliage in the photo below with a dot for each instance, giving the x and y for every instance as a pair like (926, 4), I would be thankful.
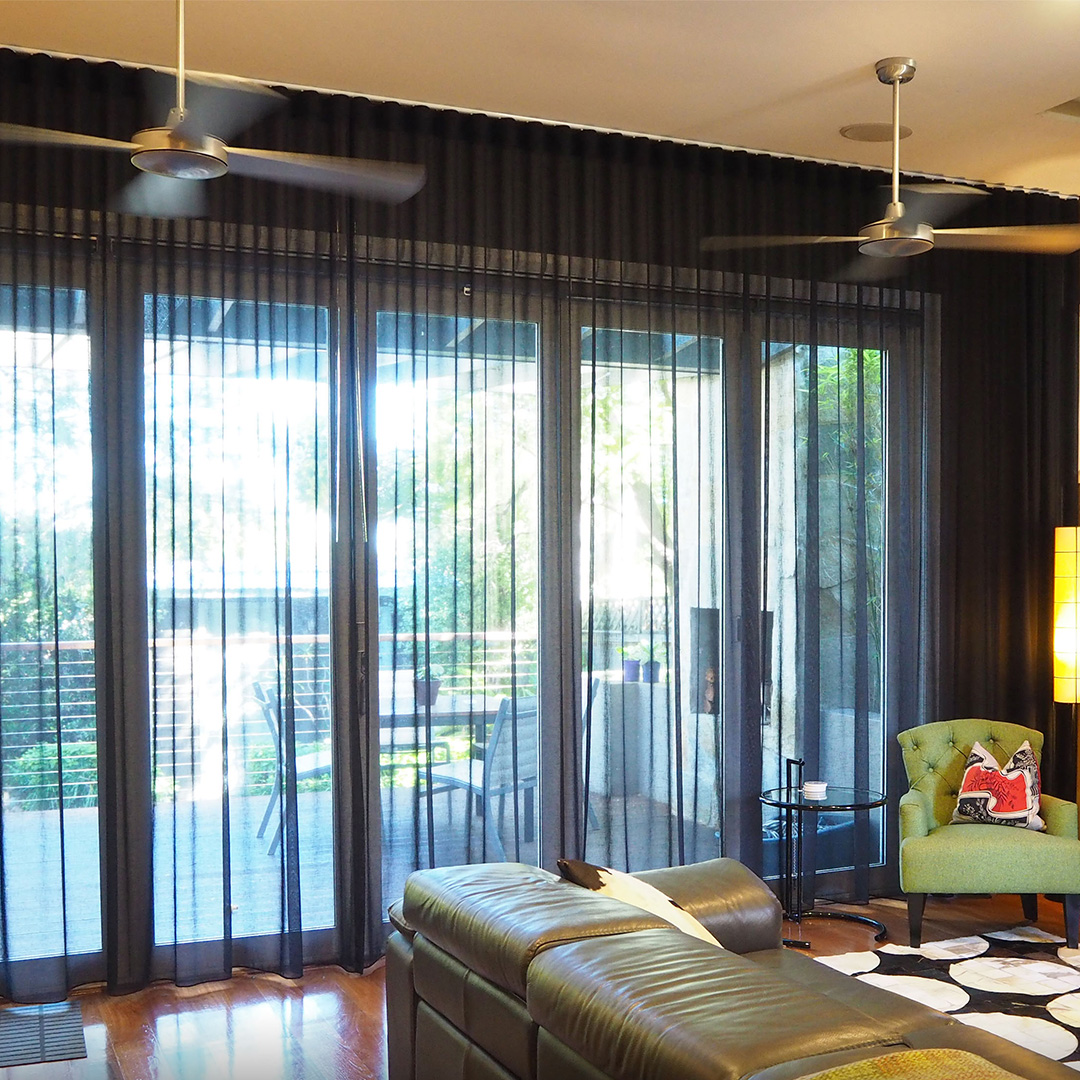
(457, 482)
(403, 768)
(260, 765)
(850, 471)
(32, 780)
(33, 605)
(654, 650)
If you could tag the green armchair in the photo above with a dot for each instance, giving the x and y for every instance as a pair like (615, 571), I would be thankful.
(936, 857)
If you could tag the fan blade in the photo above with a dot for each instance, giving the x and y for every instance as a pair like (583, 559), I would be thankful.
(215, 104)
(1035, 239)
(734, 243)
(387, 181)
(942, 187)
(33, 136)
(162, 197)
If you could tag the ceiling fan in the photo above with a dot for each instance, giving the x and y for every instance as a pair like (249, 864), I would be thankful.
(192, 147)
(901, 233)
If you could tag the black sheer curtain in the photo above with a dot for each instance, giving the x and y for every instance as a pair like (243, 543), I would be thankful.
(1009, 475)
(568, 422)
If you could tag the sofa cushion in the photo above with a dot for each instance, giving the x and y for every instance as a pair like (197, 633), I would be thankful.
(698, 1012)
(893, 1015)
(1009, 861)
(495, 917)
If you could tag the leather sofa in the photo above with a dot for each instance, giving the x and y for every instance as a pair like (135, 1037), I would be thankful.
(501, 971)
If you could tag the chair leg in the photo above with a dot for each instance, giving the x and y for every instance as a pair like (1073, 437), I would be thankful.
(271, 803)
(916, 902)
(1031, 905)
(493, 832)
(1072, 921)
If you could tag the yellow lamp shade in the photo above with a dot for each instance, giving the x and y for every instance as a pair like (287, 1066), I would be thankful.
(1067, 614)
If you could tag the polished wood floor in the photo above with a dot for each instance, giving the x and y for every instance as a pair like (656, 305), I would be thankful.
(329, 1025)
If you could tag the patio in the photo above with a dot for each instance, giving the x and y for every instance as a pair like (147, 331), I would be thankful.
(189, 897)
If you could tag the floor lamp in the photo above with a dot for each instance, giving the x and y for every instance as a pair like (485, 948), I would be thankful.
(1067, 620)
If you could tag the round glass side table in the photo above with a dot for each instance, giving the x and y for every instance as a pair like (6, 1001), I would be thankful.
(793, 803)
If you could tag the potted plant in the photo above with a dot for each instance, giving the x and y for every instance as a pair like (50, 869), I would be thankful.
(653, 654)
(426, 685)
(631, 667)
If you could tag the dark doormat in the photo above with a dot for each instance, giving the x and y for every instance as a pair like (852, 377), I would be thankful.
(32, 1033)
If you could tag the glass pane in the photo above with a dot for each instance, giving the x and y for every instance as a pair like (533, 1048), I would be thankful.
(49, 809)
(651, 549)
(825, 579)
(237, 406)
(456, 415)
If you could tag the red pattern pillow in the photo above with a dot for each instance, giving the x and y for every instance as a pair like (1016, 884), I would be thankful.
(994, 795)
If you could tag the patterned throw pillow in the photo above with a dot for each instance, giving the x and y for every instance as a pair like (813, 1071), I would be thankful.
(632, 890)
(992, 795)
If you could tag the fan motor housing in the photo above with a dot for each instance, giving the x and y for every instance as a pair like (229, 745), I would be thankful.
(891, 239)
(164, 153)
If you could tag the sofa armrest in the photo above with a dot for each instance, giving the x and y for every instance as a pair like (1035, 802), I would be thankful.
(915, 817)
(732, 902)
(1060, 816)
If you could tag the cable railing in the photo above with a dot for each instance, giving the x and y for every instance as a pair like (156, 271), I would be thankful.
(202, 684)
(47, 699)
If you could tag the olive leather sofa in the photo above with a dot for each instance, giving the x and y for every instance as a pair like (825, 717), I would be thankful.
(500, 971)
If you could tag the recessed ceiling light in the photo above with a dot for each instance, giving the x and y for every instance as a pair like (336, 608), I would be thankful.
(872, 132)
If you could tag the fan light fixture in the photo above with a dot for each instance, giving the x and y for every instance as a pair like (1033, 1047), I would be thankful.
(895, 238)
(163, 152)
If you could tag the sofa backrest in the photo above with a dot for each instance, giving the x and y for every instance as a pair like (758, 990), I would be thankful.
(495, 917)
(935, 756)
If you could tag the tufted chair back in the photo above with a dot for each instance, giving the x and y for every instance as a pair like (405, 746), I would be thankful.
(935, 756)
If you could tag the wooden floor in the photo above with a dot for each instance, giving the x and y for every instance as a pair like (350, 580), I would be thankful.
(330, 1024)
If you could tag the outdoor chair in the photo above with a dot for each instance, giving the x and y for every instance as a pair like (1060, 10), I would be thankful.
(510, 763)
(946, 859)
(312, 763)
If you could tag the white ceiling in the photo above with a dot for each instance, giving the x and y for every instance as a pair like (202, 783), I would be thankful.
(777, 75)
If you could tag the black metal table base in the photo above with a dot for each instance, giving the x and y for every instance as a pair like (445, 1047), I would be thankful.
(880, 932)
(793, 802)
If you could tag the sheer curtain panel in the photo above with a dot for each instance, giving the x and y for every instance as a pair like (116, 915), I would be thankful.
(340, 539)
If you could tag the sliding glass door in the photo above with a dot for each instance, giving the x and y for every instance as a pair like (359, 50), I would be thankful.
(238, 542)
(652, 496)
(457, 552)
(824, 579)
(49, 877)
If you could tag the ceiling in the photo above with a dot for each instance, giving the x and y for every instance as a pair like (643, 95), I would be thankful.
(775, 75)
